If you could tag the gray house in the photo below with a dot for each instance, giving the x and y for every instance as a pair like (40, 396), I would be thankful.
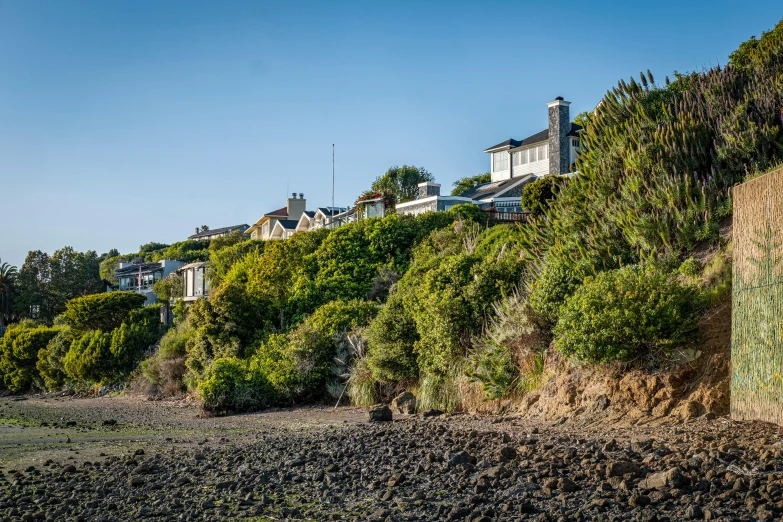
(139, 277)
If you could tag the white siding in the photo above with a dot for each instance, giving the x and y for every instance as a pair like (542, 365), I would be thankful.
(503, 174)
(539, 168)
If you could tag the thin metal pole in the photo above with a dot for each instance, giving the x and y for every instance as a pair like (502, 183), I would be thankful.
(332, 181)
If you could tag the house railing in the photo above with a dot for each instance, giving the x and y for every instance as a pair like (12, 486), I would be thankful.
(507, 217)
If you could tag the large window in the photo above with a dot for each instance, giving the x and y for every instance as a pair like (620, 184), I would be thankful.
(520, 158)
(543, 151)
(499, 161)
(533, 156)
(198, 283)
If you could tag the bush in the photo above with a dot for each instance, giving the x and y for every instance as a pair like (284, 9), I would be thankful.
(391, 337)
(89, 358)
(626, 313)
(230, 386)
(468, 211)
(19, 349)
(50, 360)
(554, 284)
(536, 196)
(103, 312)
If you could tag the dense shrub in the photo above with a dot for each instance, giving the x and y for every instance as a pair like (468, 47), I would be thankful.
(164, 372)
(223, 259)
(537, 195)
(103, 312)
(391, 337)
(230, 386)
(622, 314)
(89, 358)
(468, 211)
(50, 360)
(19, 349)
(555, 283)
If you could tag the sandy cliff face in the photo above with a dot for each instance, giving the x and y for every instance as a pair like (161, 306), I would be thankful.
(607, 395)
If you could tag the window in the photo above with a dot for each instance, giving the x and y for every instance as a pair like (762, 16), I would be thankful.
(543, 151)
(198, 283)
(520, 158)
(499, 161)
(266, 228)
(532, 153)
(575, 143)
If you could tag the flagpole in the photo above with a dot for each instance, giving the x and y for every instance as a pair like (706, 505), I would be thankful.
(333, 210)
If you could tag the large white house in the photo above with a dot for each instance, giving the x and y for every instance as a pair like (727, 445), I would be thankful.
(513, 164)
(551, 151)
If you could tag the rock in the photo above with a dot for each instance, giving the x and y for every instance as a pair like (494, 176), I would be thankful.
(404, 403)
(432, 413)
(70, 468)
(380, 514)
(641, 446)
(109, 422)
(671, 478)
(380, 413)
(139, 452)
(621, 468)
(136, 481)
(638, 500)
(507, 453)
(693, 512)
(459, 458)
(567, 485)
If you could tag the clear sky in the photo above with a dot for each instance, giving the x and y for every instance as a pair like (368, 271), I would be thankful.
(124, 122)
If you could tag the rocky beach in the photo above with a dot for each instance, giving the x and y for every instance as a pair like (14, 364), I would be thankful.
(124, 458)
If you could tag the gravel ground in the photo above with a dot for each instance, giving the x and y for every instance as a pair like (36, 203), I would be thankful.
(123, 458)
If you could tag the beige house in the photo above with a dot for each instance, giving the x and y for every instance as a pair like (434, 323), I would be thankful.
(264, 227)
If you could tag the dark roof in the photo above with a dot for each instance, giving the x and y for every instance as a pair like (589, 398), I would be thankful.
(330, 211)
(488, 190)
(535, 138)
(279, 212)
(288, 224)
(134, 269)
(224, 230)
(309, 213)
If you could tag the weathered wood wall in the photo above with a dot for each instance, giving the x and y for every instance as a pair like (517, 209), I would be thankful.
(757, 300)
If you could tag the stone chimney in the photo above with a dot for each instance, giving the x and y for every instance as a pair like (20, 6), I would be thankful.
(197, 230)
(428, 189)
(559, 127)
(296, 206)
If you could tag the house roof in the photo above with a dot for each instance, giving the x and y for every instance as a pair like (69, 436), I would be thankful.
(224, 230)
(538, 137)
(134, 269)
(287, 224)
(308, 213)
(331, 211)
(279, 212)
(495, 188)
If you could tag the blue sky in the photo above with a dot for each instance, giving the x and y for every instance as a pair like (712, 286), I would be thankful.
(124, 122)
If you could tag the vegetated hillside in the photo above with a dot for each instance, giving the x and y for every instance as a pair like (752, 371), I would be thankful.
(615, 278)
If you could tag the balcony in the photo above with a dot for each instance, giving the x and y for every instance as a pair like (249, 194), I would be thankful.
(500, 216)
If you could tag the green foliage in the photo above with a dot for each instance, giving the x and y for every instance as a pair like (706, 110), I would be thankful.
(467, 183)
(19, 349)
(555, 283)
(222, 260)
(50, 360)
(168, 288)
(44, 284)
(221, 242)
(89, 357)
(103, 312)
(230, 386)
(536, 196)
(495, 368)
(626, 313)
(402, 181)
(8, 275)
(468, 211)
(391, 337)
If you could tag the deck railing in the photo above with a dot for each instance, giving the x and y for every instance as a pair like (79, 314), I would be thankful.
(507, 217)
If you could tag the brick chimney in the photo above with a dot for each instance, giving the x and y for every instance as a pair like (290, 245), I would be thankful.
(559, 127)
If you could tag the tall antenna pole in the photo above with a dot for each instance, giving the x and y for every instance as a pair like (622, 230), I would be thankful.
(332, 179)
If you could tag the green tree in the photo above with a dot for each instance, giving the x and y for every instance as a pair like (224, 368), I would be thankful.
(19, 349)
(168, 288)
(103, 312)
(8, 275)
(468, 182)
(402, 181)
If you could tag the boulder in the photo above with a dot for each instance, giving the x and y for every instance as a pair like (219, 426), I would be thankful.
(380, 413)
(620, 468)
(404, 403)
(671, 478)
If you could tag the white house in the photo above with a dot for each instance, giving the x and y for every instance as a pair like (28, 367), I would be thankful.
(262, 229)
(218, 232)
(195, 283)
(513, 164)
(551, 151)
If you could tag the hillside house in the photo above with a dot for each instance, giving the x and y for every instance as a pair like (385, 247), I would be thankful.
(263, 228)
(139, 277)
(195, 283)
(218, 232)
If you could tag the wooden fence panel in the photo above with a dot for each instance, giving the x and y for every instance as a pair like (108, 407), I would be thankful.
(757, 300)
